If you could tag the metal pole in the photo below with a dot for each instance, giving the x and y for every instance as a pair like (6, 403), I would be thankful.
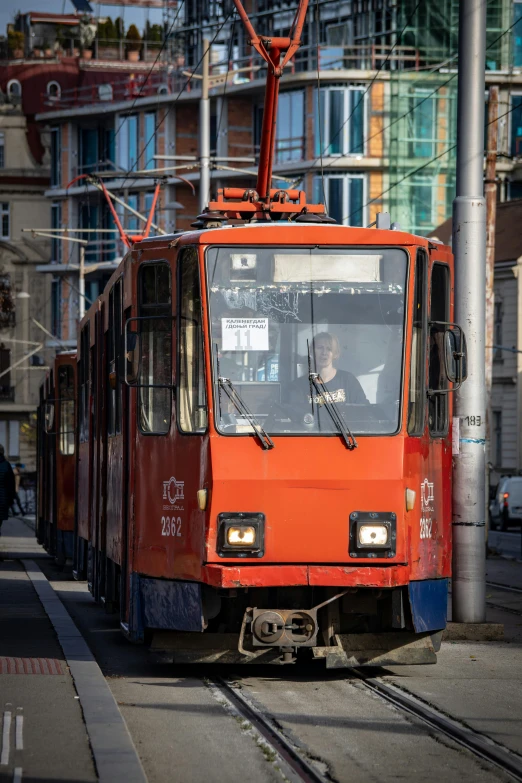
(490, 191)
(204, 131)
(81, 284)
(469, 245)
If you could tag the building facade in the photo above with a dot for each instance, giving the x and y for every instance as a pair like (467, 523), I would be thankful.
(24, 294)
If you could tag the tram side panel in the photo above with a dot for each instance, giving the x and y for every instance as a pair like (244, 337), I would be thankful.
(65, 461)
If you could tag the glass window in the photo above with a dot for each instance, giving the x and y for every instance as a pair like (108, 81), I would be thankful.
(417, 395)
(114, 353)
(128, 142)
(192, 398)
(89, 219)
(56, 162)
(290, 127)
(155, 384)
(423, 124)
(344, 197)
(279, 315)
(516, 125)
(56, 222)
(517, 37)
(5, 377)
(150, 140)
(2, 149)
(66, 402)
(497, 332)
(342, 112)
(88, 150)
(497, 439)
(5, 227)
(14, 439)
(84, 383)
(439, 311)
(56, 306)
(422, 194)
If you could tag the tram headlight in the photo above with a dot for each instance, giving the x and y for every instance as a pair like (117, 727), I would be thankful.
(373, 534)
(241, 534)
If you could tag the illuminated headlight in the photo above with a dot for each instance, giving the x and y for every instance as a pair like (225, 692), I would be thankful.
(373, 534)
(241, 535)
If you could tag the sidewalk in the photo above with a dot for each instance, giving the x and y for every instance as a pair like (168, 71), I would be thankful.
(47, 738)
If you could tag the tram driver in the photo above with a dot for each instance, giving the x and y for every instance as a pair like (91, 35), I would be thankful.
(342, 386)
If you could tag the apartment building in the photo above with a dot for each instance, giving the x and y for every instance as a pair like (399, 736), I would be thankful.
(24, 176)
(367, 116)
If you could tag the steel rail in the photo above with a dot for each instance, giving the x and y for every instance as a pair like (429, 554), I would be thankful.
(479, 744)
(508, 588)
(507, 609)
(299, 764)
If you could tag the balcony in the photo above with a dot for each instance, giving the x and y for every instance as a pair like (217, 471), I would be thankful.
(174, 78)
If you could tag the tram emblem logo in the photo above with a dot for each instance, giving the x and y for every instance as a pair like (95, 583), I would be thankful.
(173, 490)
(427, 496)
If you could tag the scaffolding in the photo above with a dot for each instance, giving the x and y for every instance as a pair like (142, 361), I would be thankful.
(423, 109)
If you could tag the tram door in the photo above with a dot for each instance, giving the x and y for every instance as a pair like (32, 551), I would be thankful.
(429, 418)
(113, 492)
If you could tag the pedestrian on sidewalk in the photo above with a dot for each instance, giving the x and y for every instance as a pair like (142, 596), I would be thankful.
(7, 487)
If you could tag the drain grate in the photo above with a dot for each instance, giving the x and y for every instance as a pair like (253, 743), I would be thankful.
(30, 666)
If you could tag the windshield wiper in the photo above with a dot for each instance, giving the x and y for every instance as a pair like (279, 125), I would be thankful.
(240, 405)
(318, 384)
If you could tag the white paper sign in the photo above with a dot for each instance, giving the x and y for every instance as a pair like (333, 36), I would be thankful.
(245, 334)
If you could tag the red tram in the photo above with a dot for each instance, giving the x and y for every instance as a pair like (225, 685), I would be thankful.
(56, 458)
(264, 432)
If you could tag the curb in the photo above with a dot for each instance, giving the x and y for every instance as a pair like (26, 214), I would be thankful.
(115, 756)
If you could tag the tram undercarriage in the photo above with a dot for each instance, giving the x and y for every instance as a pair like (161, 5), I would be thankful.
(347, 627)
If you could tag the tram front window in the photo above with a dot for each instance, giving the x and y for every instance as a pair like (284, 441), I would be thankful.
(282, 317)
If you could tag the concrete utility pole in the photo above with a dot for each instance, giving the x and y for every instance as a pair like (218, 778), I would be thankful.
(469, 246)
(490, 190)
(204, 130)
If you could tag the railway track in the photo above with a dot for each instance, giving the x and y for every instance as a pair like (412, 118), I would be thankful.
(507, 589)
(297, 765)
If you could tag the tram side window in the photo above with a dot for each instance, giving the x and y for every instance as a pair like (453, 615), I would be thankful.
(84, 384)
(439, 311)
(114, 349)
(66, 402)
(155, 382)
(192, 397)
(417, 395)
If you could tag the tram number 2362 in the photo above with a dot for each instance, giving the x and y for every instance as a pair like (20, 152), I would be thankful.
(425, 527)
(171, 526)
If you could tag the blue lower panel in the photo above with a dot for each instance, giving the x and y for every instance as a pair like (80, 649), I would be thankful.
(65, 543)
(170, 605)
(429, 603)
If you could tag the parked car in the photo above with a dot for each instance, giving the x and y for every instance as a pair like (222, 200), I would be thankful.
(506, 508)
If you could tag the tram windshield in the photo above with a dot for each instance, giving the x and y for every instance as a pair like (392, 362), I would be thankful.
(295, 331)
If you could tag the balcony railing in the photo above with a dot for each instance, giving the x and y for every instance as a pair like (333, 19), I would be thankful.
(173, 79)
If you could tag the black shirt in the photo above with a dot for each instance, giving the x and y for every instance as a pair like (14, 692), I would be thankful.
(342, 388)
